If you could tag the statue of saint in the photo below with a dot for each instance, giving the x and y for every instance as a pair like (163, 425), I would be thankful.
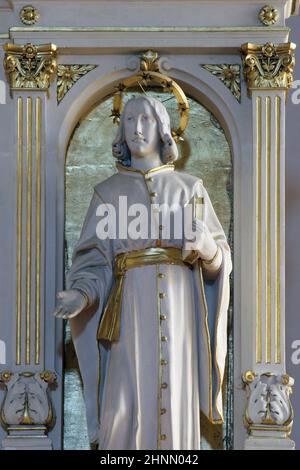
(148, 313)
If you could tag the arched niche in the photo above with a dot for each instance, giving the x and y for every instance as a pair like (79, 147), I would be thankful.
(82, 173)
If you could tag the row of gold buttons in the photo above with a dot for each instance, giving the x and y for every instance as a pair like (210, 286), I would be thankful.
(163, 362)
(162, 317)
(153, 195)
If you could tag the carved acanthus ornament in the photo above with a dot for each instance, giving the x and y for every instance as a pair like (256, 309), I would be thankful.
(269, 405)
(68, 75)
(229, 74)
(27, 402)
(268, 66)
(29, 66)
(149, 61)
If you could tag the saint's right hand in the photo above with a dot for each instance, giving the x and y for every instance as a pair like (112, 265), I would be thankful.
(70, 303)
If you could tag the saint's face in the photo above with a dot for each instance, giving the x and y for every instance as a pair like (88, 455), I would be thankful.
(141, 129)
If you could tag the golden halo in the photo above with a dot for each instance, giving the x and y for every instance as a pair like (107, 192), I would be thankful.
(151, 78)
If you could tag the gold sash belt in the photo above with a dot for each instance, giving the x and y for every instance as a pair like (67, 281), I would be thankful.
(109, 327)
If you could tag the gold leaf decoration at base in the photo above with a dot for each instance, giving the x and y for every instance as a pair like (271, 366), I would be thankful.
(27, 400)
(269, 408)
(248, 377)
(229, 74)
(68, 75)
(212, 433)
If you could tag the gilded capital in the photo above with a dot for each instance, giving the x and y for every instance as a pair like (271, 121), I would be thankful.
(268, 66)
(29, 66)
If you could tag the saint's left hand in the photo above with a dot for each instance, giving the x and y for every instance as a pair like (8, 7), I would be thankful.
(204, 243)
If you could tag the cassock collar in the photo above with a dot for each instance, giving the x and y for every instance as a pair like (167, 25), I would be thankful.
(131, 170)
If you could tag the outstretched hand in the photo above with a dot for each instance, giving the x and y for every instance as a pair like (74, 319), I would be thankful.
(70, 303)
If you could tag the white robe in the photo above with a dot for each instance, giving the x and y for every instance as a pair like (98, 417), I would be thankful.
(133, 401)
